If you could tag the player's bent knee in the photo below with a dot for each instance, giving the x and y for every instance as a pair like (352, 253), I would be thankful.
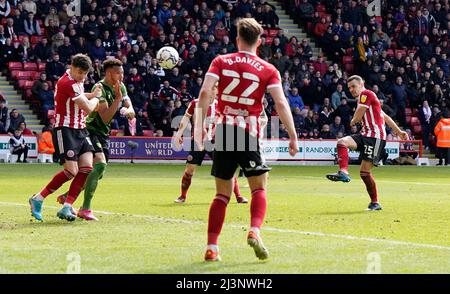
(100, 169)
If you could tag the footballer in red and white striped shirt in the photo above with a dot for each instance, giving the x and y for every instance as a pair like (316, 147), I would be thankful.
(70, 136)
(195, 157)
(243, 80)
(370, 142)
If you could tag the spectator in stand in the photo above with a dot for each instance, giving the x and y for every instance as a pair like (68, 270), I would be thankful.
(311, 122)
(282, 133)
(337, 96)
(325, 117)
(54, 69)
(46, 96)
(321, 28)
(66, 51)
(4, 117)
(337, 127)
(344, 112)
(305, 10)
(399, 100)
(45, 141)
(43, 51)
(8, 53)
(18, 146)
(5, 9)
(25, 131)
(31, 25)
(425, 114)
(167, 92)
(37, 85)
(25, 51)
(442, 132)
(325, 132)
(15, 118)
(98, 51)
(299, 120)
(295, 100)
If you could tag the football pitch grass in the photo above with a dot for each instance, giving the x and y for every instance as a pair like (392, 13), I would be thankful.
(312, 225)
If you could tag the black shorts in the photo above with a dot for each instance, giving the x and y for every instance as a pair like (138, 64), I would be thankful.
(245, 152)
(71, 143)
(371, 149)
(101, 144)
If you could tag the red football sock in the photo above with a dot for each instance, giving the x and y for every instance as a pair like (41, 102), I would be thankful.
(342, 151)
(258, 207)
(236, 190)
(185, 184)
(58, 180)
(77, 184)
(216, 217)
(370, 185)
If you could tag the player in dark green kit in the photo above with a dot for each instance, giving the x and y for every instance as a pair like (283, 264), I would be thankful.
(98, 124)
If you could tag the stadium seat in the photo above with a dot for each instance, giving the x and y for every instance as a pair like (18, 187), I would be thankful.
(14, 74)
(415, 121)
(412, 52)
(21, 37)
(393, 45)
(148, 133)
(15, 65)
(23, 75)
(41, 66)
(27, 95)
(309, 26)
(390, 52)
(273, 32)
(349, 67)
(347, 59)
(403, 52)
(36, 39)
(320, 8)
(30, 66)
(23, 84)
(35, 75)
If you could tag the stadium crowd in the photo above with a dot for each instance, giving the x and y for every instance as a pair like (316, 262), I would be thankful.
(403, 55)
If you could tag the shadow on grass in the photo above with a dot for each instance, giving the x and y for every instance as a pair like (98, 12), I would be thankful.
(203, 267)
(354, 212)
(182, 204)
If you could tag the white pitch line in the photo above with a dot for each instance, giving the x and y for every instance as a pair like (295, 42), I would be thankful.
(381, 181)
(277, 230)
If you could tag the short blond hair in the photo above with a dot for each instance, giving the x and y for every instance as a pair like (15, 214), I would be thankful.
(249, 30)
(357, 78)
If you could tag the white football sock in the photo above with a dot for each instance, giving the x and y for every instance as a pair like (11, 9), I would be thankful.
(213, 247)
(38, 197)
(255, 230)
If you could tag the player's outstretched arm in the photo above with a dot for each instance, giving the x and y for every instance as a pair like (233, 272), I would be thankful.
(182, 126)
(206, 92)
(88, 105)
(395, 128)
(284, 111)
